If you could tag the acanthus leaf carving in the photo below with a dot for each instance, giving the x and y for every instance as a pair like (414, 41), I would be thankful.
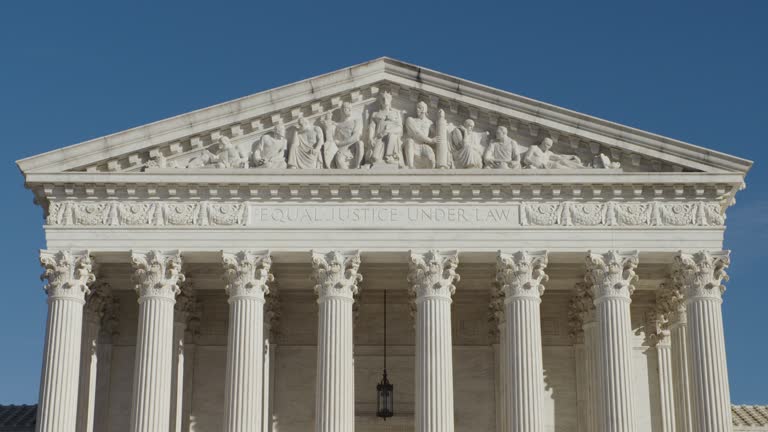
(521, 274)
(612, 274)
(700, 274)
(247, 273)
(336, 273)
(157, 274)
(433, 273)
(68, 274)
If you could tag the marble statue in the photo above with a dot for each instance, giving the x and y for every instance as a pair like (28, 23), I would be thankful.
(502, 152)
(540, 156)
(385, 133)
(466, 145)
(306, 146)
(269, 150)
(418, 148)
(223, 154)
(343, 143)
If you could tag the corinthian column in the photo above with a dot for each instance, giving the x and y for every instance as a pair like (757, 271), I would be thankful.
(156, 275)
(521, 275)
(658, 336)
(247, 274)
(584, 325)
(678, 334)
(336, 276)
(700, 276)
(98, 302)
(611, 276)
(432, 275)
(68, 274)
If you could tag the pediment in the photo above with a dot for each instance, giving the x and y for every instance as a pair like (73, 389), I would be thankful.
(232, 135)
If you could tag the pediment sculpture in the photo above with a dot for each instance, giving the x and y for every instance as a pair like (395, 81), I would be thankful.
(346, 138)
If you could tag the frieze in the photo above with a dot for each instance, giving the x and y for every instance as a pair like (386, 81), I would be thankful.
(654, 213)
(267, 215)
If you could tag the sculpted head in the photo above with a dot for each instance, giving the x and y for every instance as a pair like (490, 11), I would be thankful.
(303, 123)
(386, 99)
(546, 144)
(421, 109)
(501, 133)
(279, 128)
(346, 109)
(469, 124)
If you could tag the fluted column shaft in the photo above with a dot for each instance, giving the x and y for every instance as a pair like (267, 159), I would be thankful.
(432, 275)
(67, 274)
(177, 385)
(700, 276)
(680, 373)
(156, 275)
(611, 276)
(88, 372)
(246, 274)
(521, 275)
(592, 414)
(503, 372)
(666, 386)
(336, 275)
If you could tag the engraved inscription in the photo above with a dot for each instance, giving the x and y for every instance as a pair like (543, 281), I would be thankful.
(400, 216)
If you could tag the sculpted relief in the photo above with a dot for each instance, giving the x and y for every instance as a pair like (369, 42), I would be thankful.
(379, 133)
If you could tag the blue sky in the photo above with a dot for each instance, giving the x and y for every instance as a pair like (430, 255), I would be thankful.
(694, 71)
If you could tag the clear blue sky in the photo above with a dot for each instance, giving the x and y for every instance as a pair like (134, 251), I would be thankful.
(695, 71)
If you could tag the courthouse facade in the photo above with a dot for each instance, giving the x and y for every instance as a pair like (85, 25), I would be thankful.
(225, 270)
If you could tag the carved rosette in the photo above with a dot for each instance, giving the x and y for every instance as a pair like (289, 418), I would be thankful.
(336, 273)
(157, 274)
(521, 274)
(612, 274)
(68, 274)
(581, 309)
(700, 275)
(433, 274)
(247, 274)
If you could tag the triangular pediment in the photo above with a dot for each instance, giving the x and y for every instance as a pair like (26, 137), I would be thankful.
(194, 140)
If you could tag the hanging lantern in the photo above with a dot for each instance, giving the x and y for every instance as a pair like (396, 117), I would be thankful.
(385, 390)
(385, 400)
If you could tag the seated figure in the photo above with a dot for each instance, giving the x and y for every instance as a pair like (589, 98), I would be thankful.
(269, 150)
(541, 157)
(223, 154)
(305, 146)
(343, 144)
(419, 152)
(502, 152)
(467, 149)
(386, 132)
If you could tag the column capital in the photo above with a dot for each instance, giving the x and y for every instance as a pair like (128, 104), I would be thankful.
(496, 312)
(433, 273)
(98, 301)
(156, 273)
(247, 273)
(336, 273)
(68, 273)
(700, 274)
(612, 274)
(521, 274)
(581, 310)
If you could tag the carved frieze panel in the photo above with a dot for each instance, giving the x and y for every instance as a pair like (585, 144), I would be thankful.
(328, 215)
(655, 213)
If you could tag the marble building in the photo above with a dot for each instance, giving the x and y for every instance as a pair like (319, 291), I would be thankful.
(225, 269)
